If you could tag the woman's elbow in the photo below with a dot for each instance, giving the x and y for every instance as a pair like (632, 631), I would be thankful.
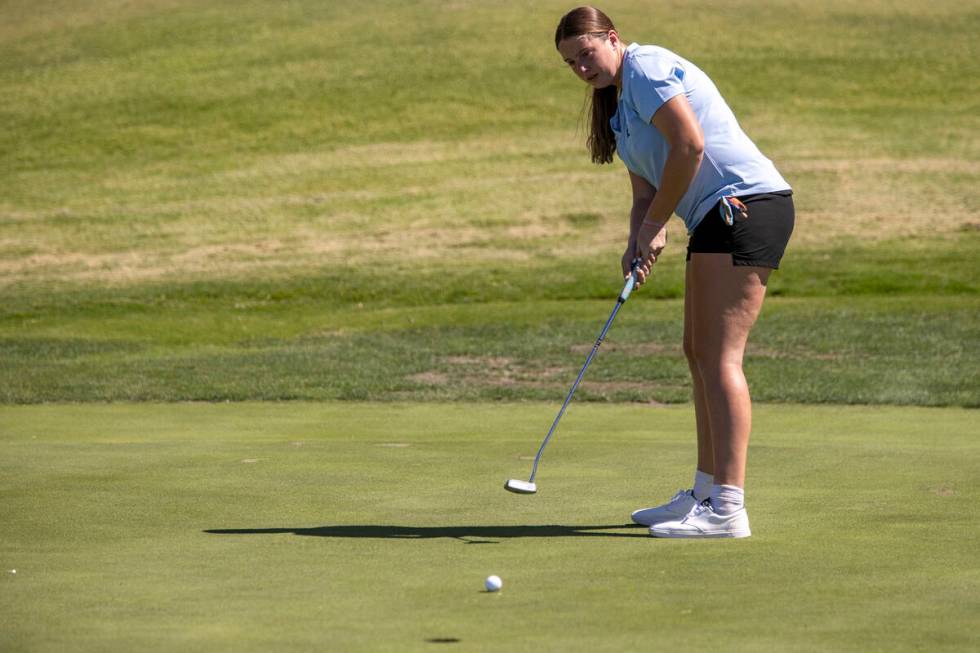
(689, 148)
(693, 149)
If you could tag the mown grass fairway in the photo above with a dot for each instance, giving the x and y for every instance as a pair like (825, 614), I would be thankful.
(360, 527)
(232, 202)
(900, 350)
(168, 141)
(386, 207)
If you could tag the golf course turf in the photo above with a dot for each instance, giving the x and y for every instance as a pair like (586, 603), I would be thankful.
(364, 527)
(288, 290)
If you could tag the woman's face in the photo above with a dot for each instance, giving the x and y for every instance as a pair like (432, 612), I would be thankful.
(595, 59)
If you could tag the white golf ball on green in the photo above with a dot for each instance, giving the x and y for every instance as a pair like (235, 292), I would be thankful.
(493, 583)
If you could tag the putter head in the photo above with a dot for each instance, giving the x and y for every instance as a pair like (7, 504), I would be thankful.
(520, 487)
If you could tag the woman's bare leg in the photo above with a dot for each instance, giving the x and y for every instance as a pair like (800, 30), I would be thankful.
(706, 462)
(725, 301)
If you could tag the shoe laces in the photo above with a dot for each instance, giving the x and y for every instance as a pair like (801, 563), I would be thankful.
(681, 494)
(701, 508)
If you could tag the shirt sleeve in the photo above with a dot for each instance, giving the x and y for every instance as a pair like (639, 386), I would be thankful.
(651, 82)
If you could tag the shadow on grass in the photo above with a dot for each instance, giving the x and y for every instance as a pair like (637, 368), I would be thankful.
(487, 534)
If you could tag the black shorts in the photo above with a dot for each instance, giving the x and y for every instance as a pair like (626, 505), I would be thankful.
(758, 240)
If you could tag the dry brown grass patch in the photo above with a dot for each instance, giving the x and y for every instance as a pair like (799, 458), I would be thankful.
(503, 214)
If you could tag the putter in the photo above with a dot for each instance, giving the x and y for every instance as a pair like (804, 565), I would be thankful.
(529, 487)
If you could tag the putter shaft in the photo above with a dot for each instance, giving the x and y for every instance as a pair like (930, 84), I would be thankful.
(568, 398)
(623, 296)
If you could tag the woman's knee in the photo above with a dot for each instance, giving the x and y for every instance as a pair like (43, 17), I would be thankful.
(714, 361)
(719, 377)
(689, 351)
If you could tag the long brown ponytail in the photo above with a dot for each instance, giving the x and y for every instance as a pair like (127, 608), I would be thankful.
(589, 20)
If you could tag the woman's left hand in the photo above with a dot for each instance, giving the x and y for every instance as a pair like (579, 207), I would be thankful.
(650, 241)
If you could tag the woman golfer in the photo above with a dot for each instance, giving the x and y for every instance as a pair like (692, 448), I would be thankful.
(686, 154)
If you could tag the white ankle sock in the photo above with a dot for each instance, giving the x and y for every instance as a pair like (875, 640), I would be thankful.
(726, 499)
(702, 485)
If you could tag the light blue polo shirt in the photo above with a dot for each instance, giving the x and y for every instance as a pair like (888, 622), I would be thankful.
(731, 165)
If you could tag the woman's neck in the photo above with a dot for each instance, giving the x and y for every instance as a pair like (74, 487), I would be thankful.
(618, 79)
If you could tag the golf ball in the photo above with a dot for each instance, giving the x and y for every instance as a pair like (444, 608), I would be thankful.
(493, 583)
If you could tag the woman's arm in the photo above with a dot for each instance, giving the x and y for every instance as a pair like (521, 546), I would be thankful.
(643, 193)
(679, 126)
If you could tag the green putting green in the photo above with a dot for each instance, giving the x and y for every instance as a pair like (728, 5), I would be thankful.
(371, 527)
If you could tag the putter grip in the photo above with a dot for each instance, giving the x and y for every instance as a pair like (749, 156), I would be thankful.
(630, 283)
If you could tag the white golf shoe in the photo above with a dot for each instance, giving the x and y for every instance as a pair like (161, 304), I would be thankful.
(674, 510)
(704, 522)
